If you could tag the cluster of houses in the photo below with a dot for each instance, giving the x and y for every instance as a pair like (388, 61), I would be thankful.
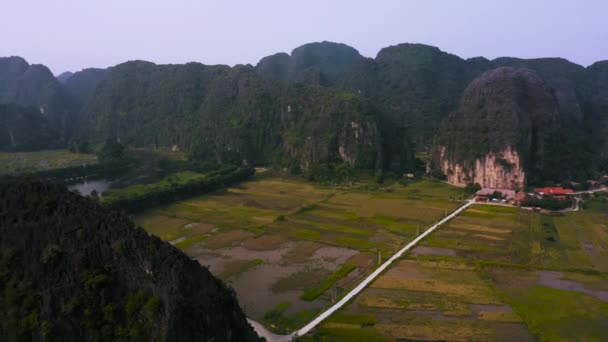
(512, 197)
(509, 196)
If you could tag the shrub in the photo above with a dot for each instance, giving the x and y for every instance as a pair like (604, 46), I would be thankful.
(50, 254)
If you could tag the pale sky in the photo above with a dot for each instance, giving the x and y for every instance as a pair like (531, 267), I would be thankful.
(76, 34)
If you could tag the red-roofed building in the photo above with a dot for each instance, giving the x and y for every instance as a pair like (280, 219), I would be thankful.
(555, 191)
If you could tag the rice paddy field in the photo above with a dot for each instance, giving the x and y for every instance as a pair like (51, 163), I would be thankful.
(18, 162)
(290, 248)
(493, 273)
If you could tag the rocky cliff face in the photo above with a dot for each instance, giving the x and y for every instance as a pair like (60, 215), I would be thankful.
(502, 169)
(71, 270)
(502, 131)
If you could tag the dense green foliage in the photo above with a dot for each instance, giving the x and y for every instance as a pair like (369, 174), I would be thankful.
(414, 87)
(331, 173)
(71, 270)
(472, 188)
(547, 202)
(173, 187)
(228, 115)
(112, 152)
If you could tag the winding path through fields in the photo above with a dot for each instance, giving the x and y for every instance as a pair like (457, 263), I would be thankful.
(355, 291)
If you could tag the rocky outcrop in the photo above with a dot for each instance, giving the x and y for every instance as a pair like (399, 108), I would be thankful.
(502, 170)
(502, 132)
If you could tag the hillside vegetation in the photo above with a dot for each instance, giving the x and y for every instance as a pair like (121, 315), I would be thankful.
(72, 270)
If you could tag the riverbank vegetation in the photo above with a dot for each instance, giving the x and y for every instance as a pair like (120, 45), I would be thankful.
(173, 188)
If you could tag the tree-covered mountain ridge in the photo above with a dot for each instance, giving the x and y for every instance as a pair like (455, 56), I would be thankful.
(324, 102)
(230, 115)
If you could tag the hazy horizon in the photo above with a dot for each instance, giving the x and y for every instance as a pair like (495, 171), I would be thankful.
(70, 35)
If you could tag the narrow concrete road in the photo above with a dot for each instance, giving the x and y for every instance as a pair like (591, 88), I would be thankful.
(262, 331)
(267, 334)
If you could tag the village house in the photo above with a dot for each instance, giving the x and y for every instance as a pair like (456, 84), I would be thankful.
(508, 196)
(555, 191)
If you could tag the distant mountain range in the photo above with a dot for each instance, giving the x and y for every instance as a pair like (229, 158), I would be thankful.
(325, 102)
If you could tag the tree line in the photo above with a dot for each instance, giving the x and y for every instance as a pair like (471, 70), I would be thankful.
(174, 187)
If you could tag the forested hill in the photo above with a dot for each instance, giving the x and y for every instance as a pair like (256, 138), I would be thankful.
(315, 63)
(72, 270)
(82, 84)
(231, 114)
(414, 87)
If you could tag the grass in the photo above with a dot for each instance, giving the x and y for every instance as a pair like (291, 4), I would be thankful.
(281, 322)
(19, 162)
(314, 292)
(508, 235)
(327, 332)
(352, 319)
(306, 234)
(190, 241)
(299, 280)
(559, 315)
(356, 243)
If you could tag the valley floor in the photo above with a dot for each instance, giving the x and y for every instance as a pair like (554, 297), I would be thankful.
(291, 248)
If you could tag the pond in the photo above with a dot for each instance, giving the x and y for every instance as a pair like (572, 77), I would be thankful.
(86, 187)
